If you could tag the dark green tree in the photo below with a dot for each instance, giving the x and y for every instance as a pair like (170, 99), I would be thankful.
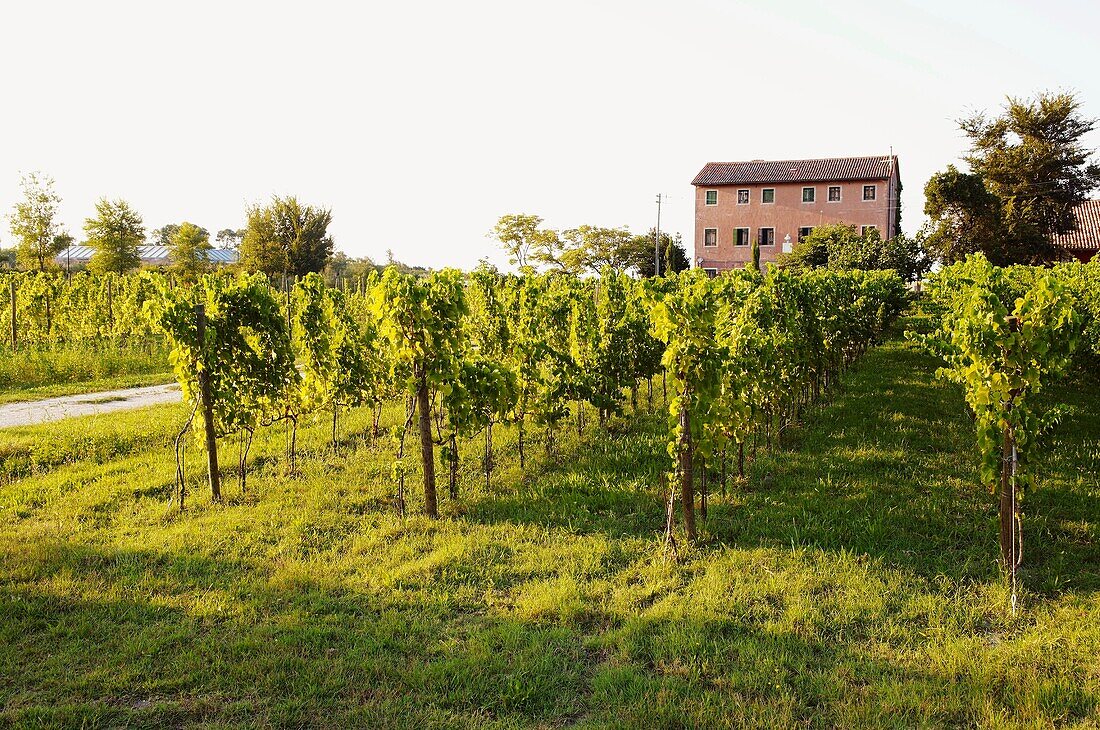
(163, 236)
(673, 257)
(34, 223)
(287, 237)
(344, 268)
(228, 238)
(336, 268)
(841, 246)
(115, 233)
(965, 218)
(189, 248)
(1031, 160)
(358, 267)
(812, 252)
(61, 242)
(595, 248)
(522, 237)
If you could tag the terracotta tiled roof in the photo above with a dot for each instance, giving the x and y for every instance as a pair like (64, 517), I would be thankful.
(1087, 235)
(835, 169)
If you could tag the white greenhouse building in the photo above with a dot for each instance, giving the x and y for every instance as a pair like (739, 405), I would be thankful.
(75, 256)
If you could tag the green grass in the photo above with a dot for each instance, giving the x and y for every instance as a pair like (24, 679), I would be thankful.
(851, 581)
(35, 374)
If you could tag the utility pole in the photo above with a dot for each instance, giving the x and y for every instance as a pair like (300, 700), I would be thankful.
(657, 241)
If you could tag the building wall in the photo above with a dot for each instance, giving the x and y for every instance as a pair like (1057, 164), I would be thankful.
(786, 215)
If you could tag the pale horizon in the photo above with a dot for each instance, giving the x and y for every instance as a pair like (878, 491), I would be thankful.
(420, 126)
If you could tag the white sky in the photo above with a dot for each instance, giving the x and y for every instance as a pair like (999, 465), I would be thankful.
(421, 123)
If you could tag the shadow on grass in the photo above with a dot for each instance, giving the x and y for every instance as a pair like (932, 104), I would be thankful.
(886, 468)
(99, 636)
(604, 484)
(747, 674)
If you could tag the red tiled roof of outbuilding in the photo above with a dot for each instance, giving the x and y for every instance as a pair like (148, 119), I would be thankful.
(1087, 234)
(835, 169)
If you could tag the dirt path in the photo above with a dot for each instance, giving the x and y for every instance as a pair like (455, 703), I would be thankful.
(69, 406)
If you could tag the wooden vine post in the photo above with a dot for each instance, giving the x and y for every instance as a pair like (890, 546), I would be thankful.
(419, 323)
(207, 407)
(14, 328)
(427, 448)
(687, 472)
(1010, 547)
(1002, 353)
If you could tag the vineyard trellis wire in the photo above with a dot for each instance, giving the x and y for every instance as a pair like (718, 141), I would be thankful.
(744, 354)
(1004, 334)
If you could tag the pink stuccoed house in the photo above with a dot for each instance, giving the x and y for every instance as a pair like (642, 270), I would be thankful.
(779, 202)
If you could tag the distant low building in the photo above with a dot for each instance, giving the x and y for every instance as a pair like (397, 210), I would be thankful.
(1082, 243)
(778, 202)
(79, 256)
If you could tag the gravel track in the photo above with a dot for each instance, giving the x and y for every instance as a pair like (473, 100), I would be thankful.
(86, 404)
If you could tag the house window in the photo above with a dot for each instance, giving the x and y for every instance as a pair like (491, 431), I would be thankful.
(804, 231)
(869, 192)
(712, 197)
(710, 236)
(809, 195)
(834, 193)
(742, 197)
(711, 272)
(767, 237)
(767, 195)
(740, 236)
(864, 230)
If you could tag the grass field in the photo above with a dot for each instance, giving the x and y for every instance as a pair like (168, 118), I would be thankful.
(34, 374)
(851, 581)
